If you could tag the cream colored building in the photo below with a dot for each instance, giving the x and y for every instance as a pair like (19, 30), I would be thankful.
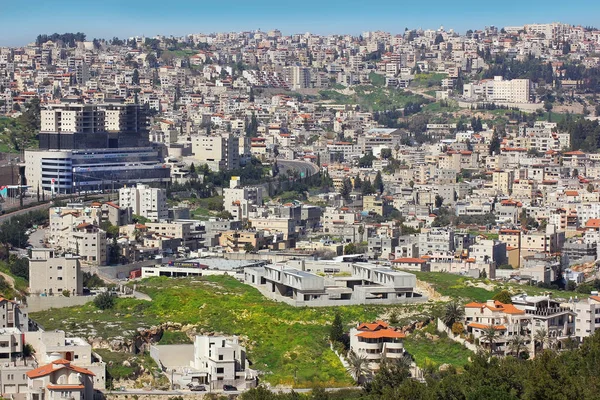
(145, 201)
(219, 152)
(52, 275)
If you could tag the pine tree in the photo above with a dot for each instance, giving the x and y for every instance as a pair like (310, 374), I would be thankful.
(336, 332)
(378, 183)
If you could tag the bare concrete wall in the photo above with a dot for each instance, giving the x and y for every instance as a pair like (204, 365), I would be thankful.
(40, 303)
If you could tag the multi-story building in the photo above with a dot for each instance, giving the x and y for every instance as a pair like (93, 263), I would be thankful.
(547, 314)
(145, 201)
(240, 201)
(375, 341)
(219, 152)
(14, 315)
(60, 379)
(70, 171)
(587, 317)
(221, 361)
(52, 275)
(506, 319)
(74, 125)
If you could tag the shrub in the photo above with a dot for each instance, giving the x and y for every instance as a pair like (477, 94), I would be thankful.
(66, 293)
(104, 301)
(457, 328)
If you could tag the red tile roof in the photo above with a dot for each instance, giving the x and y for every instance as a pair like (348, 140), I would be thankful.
(484, 326)
(55, 366)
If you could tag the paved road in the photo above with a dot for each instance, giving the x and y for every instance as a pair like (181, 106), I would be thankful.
(305, 167)
(13, 214)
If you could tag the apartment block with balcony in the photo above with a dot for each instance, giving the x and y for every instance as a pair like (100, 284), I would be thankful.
(222, 361)
(145, 201)
(506, 319)
(375, 341)
(587, 318)
(548, 314)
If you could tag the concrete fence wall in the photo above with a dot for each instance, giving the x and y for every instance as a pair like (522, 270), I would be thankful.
(41, 303)
(441, 327)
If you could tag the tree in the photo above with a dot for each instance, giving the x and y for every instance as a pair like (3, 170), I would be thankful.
(439, 200)
(490, 335)
(503, 297)
(540, 337)
(135, 78)
(458, 328)
(248, 248)
(350, 248)
(114, 251)
(358, 366)
(346, 189)
(361, 232)
(104, 301)
(453, 312)
(495, 143)
(367, 188)
(392, 373)
(378, 182)
(336, 331)
(386, 153)
(516, 344)
(357, 183)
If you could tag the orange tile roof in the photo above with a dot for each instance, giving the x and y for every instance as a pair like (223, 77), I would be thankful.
(372, 326)
(498, 306)
(65, 387)
(593, 223)
(596, 298)
(55, 366)
(572, 193)
(409, 260)
(484, 326)
(382, 333)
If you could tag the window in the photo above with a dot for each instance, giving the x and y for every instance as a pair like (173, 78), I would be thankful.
(220, 357)
(220, 370)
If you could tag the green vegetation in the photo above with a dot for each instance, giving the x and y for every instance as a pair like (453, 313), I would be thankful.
(285, 340)
(121, 366)
(377, 79)
(430, 353)
(174, 337)
(428, 80)
(374, 98)
(104, 301)
(551, 375)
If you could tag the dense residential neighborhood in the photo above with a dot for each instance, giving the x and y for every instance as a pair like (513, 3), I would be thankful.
(253, 213)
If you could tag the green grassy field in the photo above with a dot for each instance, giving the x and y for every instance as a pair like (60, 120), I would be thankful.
(280, 339)
(429, 353)
(460, 287)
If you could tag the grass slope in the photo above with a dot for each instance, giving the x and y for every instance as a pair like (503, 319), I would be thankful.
(283, 340)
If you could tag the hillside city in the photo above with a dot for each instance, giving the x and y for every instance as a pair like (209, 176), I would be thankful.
(256, 215)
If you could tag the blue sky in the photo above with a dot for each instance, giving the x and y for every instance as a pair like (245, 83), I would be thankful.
(21, 22)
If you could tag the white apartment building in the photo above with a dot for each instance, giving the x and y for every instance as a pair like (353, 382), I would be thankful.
(145, 201)
(375, 341)
(221, 361)
(52, 275)
(506, 319)
(240, 201)
(500, 90)
(587, 318)
(219, 152)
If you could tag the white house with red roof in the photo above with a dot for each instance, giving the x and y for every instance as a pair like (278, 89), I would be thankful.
(60, 380)
(375, 341)
(506, 319)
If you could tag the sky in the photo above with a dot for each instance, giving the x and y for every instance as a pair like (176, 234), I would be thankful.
(21, 22)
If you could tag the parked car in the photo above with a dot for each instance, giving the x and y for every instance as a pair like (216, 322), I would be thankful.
(229, 388)
(198, 388)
